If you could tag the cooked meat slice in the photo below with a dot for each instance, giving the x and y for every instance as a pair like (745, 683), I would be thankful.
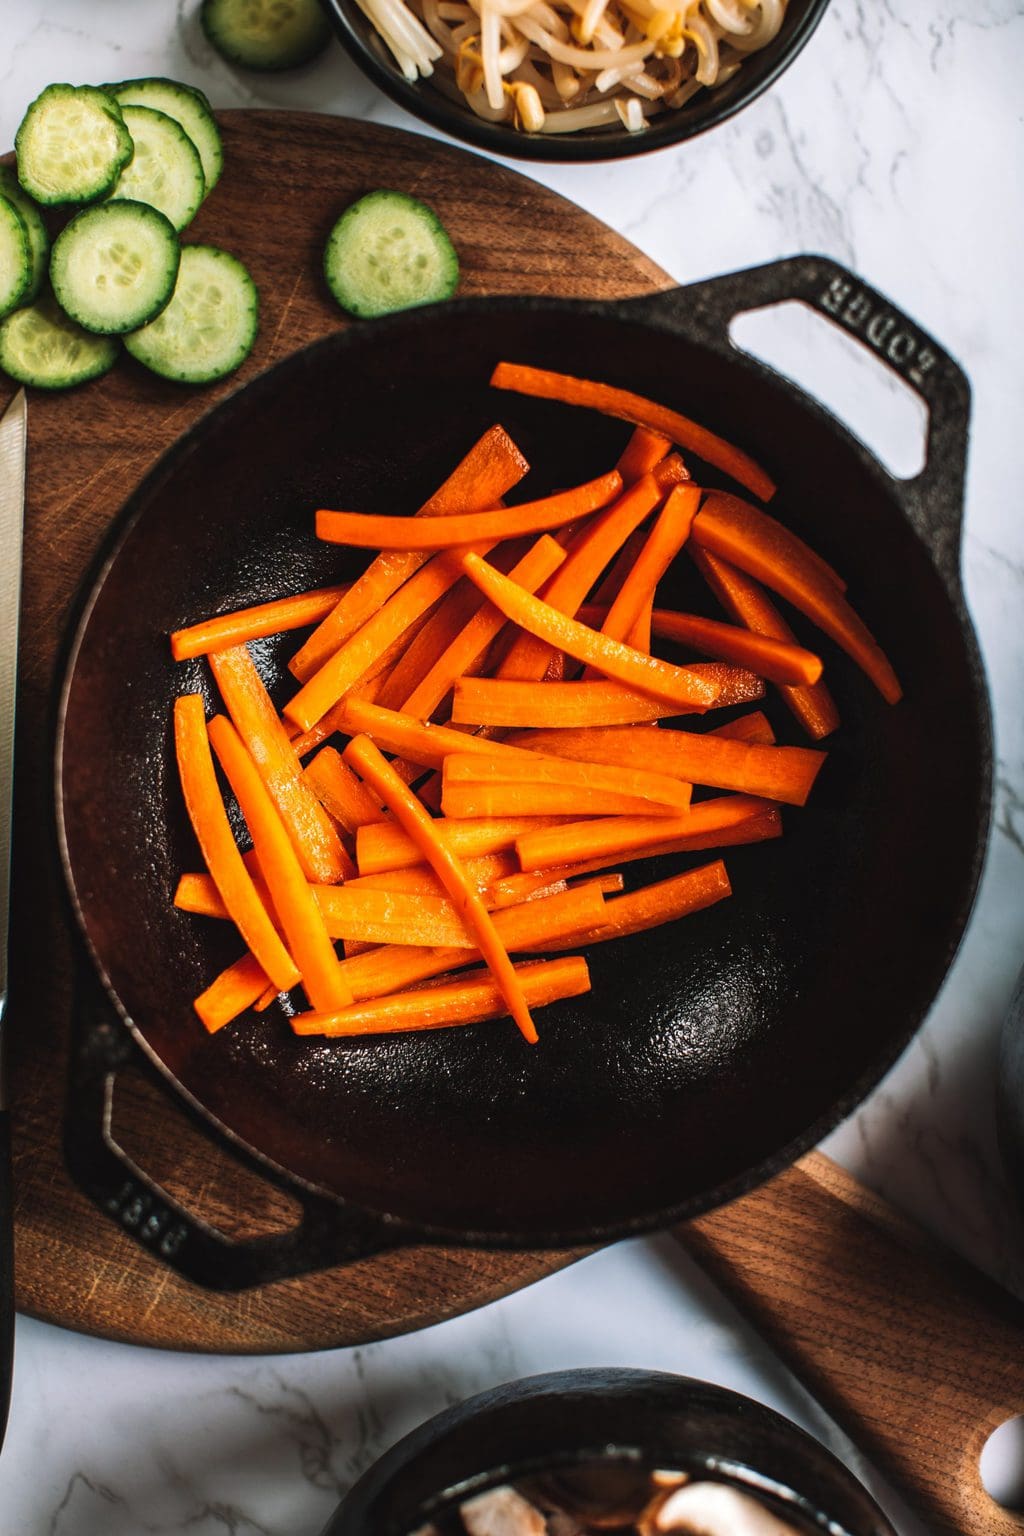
(502, 1512)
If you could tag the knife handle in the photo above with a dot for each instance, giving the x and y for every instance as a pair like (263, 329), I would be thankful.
(6, 1270)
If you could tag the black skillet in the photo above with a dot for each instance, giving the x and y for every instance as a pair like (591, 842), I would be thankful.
(710, 1053)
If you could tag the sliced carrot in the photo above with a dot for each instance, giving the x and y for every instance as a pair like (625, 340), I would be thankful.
(659, 679)
(748, 603)
(374, 768)
(614, 837)
(450, 616)
(344, 795)
(780, 661)
(457, 1002)
(762, 547)
(663, 902)
(753, 829)
(199, 895)
(518, 887)
(249, 704)
(589, 553)
(266, 997)
(786, 774)
(386, 846)
(628, 406)
(482, 870)
(417, 740)
(217, 843)
(504, 701)
(274, 618)
(364, 649)
(644, 450)
(290, 892)
(469, 648)
(594, 784)
(392, 917)
(491, 468)
(368, 687)
(235, 989)
(667, 537)
(755, 727)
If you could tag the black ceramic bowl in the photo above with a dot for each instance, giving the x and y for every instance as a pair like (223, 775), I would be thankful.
(706, 110)
(571, 1418)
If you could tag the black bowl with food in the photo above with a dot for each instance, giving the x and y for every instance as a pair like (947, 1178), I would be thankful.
(574, 1453)
(699, 64)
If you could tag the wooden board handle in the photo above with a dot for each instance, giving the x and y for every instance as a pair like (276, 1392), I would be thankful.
(916, 1355)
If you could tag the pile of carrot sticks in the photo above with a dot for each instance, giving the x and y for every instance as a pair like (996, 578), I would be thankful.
(476, 745)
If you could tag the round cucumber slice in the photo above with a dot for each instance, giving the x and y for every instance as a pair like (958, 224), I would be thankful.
(389, 251)
(38, 238)
(15, 258)
(165, 170)
(188, 106)
(113, 268)
(40, 345)
(209, 327)
(72, 145)
(266, 34)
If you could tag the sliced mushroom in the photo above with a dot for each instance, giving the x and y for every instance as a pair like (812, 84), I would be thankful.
(713, 1509)
(502, 1512)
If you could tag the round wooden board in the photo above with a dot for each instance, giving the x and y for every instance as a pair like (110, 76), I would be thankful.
(287, 176)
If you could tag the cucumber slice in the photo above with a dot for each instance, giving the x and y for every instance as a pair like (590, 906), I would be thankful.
(114, 267)
(388, 251)
(72, 145)
(38, 238)
(15, 258)
(40, 345)
(209, 327)
(188, 106)
(266, 34)
(165, 171)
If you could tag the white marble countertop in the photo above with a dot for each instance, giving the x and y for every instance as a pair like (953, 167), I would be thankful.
(894, 143)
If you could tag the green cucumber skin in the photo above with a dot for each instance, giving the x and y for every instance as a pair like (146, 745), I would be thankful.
(222, 32)
(184, 149)
(353, 298)
(94, 191)
(164, 358)
(100, 351)
(84, 227)
(196, 119)
(21, 278)
(38, 235)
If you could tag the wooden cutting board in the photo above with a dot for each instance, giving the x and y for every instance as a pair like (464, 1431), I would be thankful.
(287, 176)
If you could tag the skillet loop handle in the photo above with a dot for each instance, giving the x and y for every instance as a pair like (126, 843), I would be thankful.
(933, 499)
(327, 1234)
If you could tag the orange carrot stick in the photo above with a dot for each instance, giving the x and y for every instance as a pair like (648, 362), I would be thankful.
(386, 846)
(759, 545)
(374, 768)
(531, 770)
(292, 896)
(217, 844)
(614, 837)
(417, 740)
(780, 661)
(642, 453)
(786, 774)
(358, 654)
(234, 990)
(666, 539)
(664, 902)
(469, 648)
(482, 870)
(344, 795)
(628, 406)
(461, 1002)
(273, 618)
(673, 685)
(748, 603)
(365, 530)
(753, 829)
(452, 613)
(589, 553)
(755, 727)
(249, 704)
(491, 468)
(498, 701)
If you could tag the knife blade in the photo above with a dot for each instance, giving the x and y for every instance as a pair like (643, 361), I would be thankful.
(13, 439)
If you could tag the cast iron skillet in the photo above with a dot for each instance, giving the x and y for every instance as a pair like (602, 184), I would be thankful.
(710, 1053)
(570, 1418)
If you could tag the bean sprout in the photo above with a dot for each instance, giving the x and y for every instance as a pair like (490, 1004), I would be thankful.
(565, 66)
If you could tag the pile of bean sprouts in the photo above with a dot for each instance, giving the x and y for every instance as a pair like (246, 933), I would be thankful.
(558, 66)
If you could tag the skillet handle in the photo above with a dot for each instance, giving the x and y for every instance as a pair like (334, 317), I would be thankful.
(933, 499)
(915, 1354)
(327, 1235)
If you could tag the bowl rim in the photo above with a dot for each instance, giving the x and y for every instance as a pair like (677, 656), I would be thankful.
(432, 107)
